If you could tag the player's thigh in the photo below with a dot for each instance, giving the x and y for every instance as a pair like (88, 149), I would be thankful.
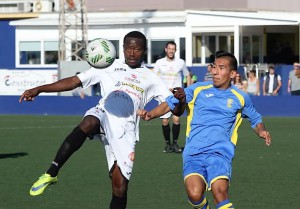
(194, 172)
(90, 124)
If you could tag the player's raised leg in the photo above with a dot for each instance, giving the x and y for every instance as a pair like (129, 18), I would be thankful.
(88, 126)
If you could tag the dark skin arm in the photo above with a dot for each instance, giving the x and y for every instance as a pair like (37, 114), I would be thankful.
(65, 84)
(160, 110)
(163, 108)
(180, 107)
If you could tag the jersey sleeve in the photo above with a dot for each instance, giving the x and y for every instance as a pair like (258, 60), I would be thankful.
(250, 112)
(88, 78)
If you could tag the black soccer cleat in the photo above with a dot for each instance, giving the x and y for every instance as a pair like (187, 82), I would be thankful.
(176, 148)
(168, 149)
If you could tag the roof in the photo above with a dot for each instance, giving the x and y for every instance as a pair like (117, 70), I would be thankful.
(192, 18)
(223, 18)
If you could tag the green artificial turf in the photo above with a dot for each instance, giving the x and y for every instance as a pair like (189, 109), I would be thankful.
(263, 177)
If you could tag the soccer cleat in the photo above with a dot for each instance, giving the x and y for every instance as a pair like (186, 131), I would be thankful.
(168, 149)
(176, 148)
(40, 185)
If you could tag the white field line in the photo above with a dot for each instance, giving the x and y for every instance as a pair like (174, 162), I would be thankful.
(35, 127)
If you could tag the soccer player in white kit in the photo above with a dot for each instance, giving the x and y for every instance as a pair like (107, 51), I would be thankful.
(126, 86)
(171, 69)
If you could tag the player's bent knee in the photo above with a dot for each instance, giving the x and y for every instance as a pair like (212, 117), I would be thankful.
(195, 194)
(90, 125)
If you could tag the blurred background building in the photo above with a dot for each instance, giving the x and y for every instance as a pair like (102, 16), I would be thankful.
(38, 35)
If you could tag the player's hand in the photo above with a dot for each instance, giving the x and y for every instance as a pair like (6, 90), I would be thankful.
(144, 114)
(266, 136)
(179, 94)
(29, 95)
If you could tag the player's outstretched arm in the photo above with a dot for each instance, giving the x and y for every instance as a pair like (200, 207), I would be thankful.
(263, 133)
(65, 84)
(158, 111)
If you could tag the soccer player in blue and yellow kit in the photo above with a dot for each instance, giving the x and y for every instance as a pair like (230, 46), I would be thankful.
(214, 112)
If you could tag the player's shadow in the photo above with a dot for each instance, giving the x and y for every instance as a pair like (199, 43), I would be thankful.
(13, 155)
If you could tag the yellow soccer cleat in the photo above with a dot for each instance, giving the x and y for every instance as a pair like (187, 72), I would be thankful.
(40, 185)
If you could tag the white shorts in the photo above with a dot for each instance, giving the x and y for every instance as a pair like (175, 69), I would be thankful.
(119, 140)
(167, 115)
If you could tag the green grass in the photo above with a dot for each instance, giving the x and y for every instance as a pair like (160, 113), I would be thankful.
(263, 177)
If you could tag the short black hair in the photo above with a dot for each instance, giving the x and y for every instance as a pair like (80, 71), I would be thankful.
(231, 57)
(171, 42)
(136, 34)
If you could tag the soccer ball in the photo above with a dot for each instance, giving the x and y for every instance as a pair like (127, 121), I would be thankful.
(100, 53)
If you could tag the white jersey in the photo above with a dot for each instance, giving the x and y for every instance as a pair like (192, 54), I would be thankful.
(171, 71)
(134, 88)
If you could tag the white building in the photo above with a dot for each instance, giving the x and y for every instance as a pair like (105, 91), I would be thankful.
(254, 37)
(256, 31)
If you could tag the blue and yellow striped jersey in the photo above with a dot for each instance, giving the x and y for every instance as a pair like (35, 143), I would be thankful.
(213, 118)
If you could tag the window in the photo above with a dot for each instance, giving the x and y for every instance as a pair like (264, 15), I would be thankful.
(158, 49)
(30, 52)
(116, 44)
(38, 52)
(256, 49)
(223, 43)
(210, 43)
(182, 48)
(210, 48)
(246, 53)
(252, 49)
(50, 52)
(197, 49)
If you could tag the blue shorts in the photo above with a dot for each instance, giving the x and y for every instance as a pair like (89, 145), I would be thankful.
(210, 167)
